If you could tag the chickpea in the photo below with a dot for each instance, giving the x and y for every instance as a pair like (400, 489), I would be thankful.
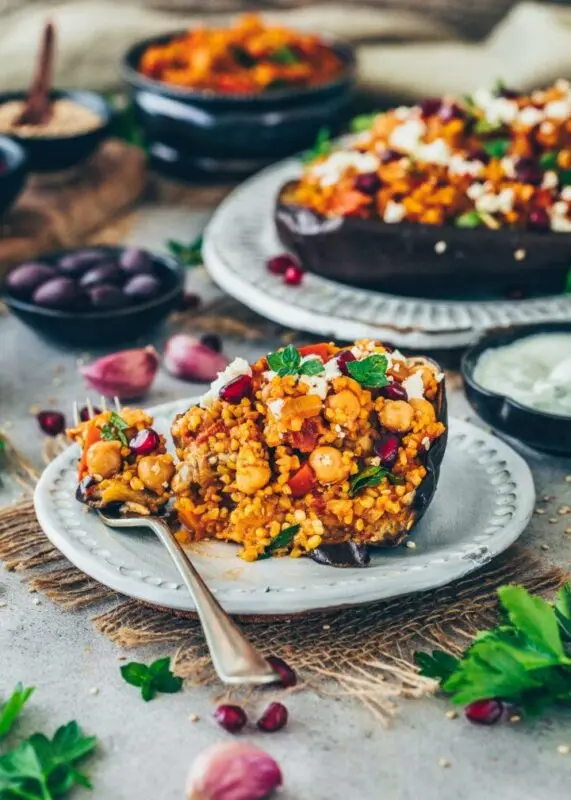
(423, 408)
(154, 471)
(397, 415)
(252, 470)
(328, 465)
(346, 403)
(104, 458)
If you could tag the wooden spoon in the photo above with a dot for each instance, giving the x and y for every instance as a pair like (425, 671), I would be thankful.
(38, 109)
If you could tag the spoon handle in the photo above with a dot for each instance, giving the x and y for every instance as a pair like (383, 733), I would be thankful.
(234, 658)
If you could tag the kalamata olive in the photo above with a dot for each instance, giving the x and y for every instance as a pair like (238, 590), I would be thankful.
(105, 272)
(136, 261)
(142, 287)
(75, 264)
(26, 278)
(61, 293)
(105, 295)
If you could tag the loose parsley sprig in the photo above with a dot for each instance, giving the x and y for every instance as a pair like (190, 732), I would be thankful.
(156, 677)
(114, 429)
(321, 147)
(289, 362)
(525, 660)
(189, 255)
(12, 708)
(283, 539)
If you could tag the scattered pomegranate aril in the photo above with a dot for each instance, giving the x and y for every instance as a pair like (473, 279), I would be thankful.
(286, 675)
(343, 358)
(279, 264)
(273, 719)
(387, 450)
(430, 106)
(367, 183)
(237, 389)
(293, 275)
(484, 712)
(539, 220)
(231, 718)
(84, 414)
(51, 422)
(213, 341)
(145, 442)
(394, 391)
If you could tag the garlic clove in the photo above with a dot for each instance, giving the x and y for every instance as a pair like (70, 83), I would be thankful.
(127, 374)
(191, 360)
(233, 771)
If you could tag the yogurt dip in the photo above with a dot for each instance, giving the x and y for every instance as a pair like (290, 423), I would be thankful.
(534, 371)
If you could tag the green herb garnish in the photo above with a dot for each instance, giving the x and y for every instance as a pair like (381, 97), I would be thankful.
(370, 371)
(525, 660)
(285, 362)
(469, 219)
(371, 476)
(157, 677)
(12, 708)
(363, 122)
(312, 367)
(283, 539)
(321, 147)
(484, 126)
(284, 55)
(188, 255)
(548, 160)
(44, 769)
(564, 177)
(113, 430)
(496, 148)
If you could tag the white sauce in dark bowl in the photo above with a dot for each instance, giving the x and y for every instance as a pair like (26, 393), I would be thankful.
(534, 371)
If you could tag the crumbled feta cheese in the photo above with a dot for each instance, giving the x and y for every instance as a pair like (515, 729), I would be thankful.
(475, 190)
(406, 137)
(559, 219)
(558, 109)
(311, 357)
(508, 166)
(546, 128)
(482, 97)
(439, 377)
(490, 203)
(332, 168)
(414, 386)
(500, 109)
(436, 152)
(530, 116)
(550, 180)
(317, 385)
(276, 406)
(375, 461)
(566, 193)
(269, 375)
(426, 443)
(458, 165)
(402, 112)
(440, 247)
(236, 368)
(394, 212)
(332, 369)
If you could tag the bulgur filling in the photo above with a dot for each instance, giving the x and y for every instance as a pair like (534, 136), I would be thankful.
(309, 446)
(497, 159)
(124, 463)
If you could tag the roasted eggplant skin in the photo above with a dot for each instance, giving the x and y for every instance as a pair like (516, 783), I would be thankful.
(352, 554)
(423, 260)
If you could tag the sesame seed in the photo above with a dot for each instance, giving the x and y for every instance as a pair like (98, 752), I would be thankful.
(545, 547)
(564, 749)
(444, 763)
(194, 718)
(540, 511)
(34, 410)
(326, 627)
(553, 520)
(520, 254)
(411, 545)
(440, 247)
(515, 718)
(451, 715)
(94, 690)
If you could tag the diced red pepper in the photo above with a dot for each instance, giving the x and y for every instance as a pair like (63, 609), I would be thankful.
(302, 482)
(321, 349)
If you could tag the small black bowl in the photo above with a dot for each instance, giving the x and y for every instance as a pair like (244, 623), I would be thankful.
(13, 170)
(193, 132)
(57, 153)
(550, 433)
(93, 328)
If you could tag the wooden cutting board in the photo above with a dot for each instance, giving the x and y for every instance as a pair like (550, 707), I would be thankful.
(56, 212)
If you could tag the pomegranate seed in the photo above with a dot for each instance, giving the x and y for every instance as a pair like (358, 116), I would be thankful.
(389, 155)
(293, 275)
(484, 712)
(368, 183)
(527, 170)
(51, 422)
(387, 449)
(394, 391)
(279, 264)
(287, 676)
(539, 220)
(430, 106)
(273, 719)
(213, 341)
(236, 389)
(451, 111)
(478, 154)
(343, 359)
(84, 414)
(145, 442)
(231, 718)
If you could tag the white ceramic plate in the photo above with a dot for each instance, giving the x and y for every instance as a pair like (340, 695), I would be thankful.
(242, 236)
(484, 500)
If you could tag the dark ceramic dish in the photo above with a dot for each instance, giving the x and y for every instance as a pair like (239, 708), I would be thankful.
(191, 131)
(57, 153)
(350, 554)
(547, 432)
(424, 260)
(105, 327)
(13, 168)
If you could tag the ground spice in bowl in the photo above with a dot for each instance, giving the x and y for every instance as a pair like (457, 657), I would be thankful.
(67, 119)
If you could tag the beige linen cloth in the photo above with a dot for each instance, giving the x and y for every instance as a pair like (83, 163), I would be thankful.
(402, 55)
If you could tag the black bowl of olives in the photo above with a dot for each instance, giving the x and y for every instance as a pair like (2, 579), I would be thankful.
(95, 295)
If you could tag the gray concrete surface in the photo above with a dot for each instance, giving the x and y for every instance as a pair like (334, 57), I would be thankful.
(332, 749)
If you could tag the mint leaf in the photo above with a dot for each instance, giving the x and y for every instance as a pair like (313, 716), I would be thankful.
(469, 219)
(370, 476)
(496, 148)
(439, 665)
(157, 677)
(284, 55)
(285, 362)
(113, 430)
(534, 618)
(188, 255)
(12, 708)
(363, 122)
(313, 367)
(283, 539)
(548, 160)
(134, 673)
(162, 678)
(370, 371)
(321, 147)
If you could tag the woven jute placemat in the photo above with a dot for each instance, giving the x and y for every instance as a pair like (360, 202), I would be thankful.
(365, 653)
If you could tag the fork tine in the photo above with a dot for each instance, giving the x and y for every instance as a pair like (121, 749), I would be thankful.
(76, 418)
(117, 404)
(90, 411)
(103, 403)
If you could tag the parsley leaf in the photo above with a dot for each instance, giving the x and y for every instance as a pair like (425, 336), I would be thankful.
(113, 430)
(438, 665)
(284, 55)
(188, 255)
(469, 219)
(370, 371)
(44, 769)
(496, 148)
(285, 362)
(12, 708)
(371, 476)
(321, 147)
(283, 538)
(157, 677)
(363, 122)
(312, 367)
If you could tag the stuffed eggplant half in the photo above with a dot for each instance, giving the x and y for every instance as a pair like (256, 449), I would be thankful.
(448, 195)
(320, 451)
